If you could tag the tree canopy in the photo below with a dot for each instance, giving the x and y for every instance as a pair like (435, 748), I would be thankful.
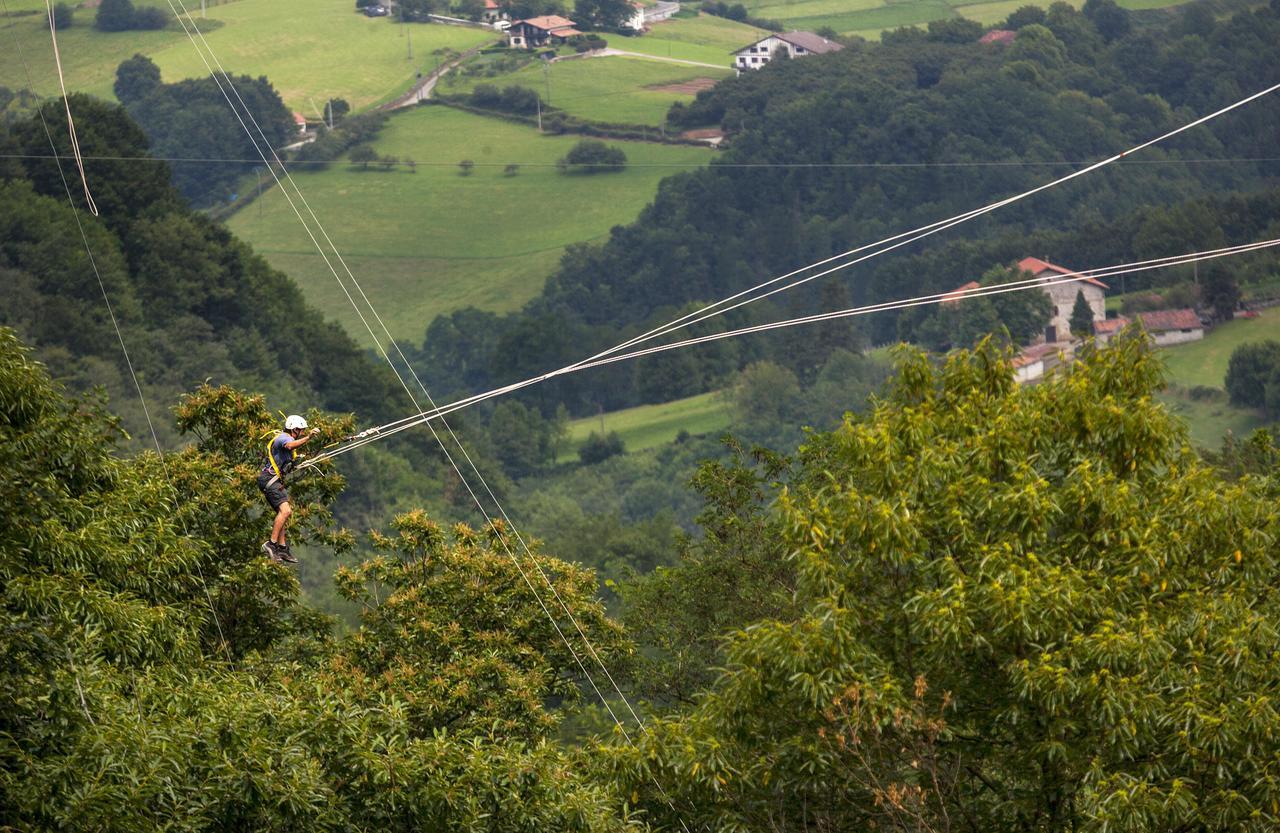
(191, 120)
(160, 673)
(1019, 609)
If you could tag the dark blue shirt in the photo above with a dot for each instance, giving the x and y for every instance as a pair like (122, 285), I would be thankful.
(283, 457)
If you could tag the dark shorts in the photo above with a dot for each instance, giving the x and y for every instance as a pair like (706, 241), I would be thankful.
(275, 493)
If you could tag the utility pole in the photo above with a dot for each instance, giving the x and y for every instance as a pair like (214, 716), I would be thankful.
(410, 55)
(546, 76)
(539, 115)
(202, 2)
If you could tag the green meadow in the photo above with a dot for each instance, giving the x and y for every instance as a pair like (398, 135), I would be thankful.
(704, 38)
(869, 18)
(1204, 362)
(310, 49)
(430, 242)
(614, 89)
(1208, 421)
(649, 426)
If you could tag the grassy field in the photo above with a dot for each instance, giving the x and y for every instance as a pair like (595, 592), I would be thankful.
(1209, 421)
(1205, 362)
(613, 89)
(704, 38)
(310, 49)
(869, 18)
(429, 242)
(648, 426)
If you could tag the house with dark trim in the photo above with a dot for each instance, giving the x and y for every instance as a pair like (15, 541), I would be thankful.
(537, 32)
(788, 44)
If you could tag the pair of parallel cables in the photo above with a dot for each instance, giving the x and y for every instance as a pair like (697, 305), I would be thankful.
(623, 351)
(799, 277)
(617, 353)
(263, 149)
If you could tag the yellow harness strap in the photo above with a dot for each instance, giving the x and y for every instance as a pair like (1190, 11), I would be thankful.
(272, 458)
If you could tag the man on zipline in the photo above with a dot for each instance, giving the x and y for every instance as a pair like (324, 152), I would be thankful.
(281, 453)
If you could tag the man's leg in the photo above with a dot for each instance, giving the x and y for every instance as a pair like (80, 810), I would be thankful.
(282, 518)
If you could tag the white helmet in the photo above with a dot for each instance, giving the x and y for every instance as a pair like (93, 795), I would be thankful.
(294, 422)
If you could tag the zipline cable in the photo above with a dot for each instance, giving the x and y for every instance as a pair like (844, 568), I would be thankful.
(381, 432)
(866, 252)
(71, 122)
(115, 324)
(906, 238)
(475, 470)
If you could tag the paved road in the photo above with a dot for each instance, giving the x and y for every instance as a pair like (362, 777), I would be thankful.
(422, 89)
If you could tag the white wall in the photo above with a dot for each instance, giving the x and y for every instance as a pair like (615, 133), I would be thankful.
(1177, 337)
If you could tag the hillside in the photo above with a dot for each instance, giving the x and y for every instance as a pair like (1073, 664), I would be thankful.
(309, 49)
(1198, 365)
(428, 242)
(868, 18)
(193, 689)
(614, 89)
(828, 153)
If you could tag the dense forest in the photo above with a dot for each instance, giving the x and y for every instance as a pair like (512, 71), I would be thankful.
(955, 604)
(978, 607)
(841, 149)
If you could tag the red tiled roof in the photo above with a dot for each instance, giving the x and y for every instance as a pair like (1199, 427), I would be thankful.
(1035, 266)
(299, 119)
(1110, 327)
(1039, 352)
(1044, 349)
(1163, 320)
(998, 36)
(955, 295)
(491, 4)
(549, 22)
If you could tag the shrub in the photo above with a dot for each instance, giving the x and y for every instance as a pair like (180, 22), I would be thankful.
(120, 16)
(510, 99)
(114, 16)
(149, 17)
(465, 167)
(1204, 393)
(594, 156)
(363, 155)
(63, 15)
(600, 447)
(1251, 369)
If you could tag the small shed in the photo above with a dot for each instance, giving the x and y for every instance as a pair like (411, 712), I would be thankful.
(1172, 326)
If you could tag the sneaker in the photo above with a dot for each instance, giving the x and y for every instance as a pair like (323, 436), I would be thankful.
(285, 554)
(271, 550)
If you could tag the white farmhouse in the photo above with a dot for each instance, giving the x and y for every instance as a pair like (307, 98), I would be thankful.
(537, 32)
(791, 44)
(636, 22)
